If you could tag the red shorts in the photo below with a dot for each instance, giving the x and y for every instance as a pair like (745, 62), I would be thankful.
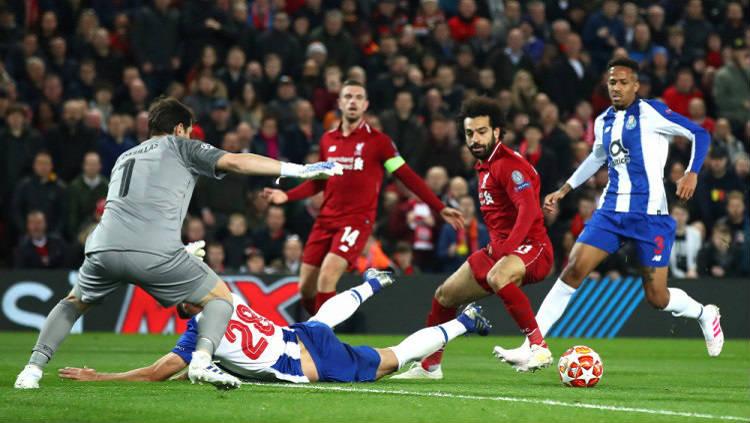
(537, 256)
(344, 241)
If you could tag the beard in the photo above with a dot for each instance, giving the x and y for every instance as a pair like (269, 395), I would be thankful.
(485, 152)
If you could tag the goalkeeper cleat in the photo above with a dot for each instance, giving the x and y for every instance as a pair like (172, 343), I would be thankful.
(710, 323)
(473, 320)
(29, 377)
(203, 370)
(416, 371)
(378, 279)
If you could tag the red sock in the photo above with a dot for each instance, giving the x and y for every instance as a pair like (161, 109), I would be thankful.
(518, 306)
(438, 314)
(322, 297)
(309, 305)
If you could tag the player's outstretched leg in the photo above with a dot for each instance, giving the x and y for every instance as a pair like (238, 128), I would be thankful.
(552, 308)
(342, 306)
(56, 328)
(680, 304)
(426, 341)
(583, 259)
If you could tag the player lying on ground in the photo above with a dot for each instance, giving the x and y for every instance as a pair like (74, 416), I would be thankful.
(632, 138)
(138, 238)
(255, 348)
(519, 251)
(350, 200)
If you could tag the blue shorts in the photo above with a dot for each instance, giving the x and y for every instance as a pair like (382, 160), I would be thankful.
(335, 360)
(653, 235)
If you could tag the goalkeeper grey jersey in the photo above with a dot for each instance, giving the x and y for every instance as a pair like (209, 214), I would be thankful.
(149, 193)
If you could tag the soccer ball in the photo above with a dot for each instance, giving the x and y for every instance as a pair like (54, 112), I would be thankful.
(580, 367)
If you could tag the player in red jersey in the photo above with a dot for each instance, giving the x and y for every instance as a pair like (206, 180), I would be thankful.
(519, 252)
(347, 215)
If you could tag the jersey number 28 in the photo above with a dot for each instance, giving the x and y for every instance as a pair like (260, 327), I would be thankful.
(242, 326)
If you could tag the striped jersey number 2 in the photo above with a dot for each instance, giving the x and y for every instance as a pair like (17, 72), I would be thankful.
(348, 239)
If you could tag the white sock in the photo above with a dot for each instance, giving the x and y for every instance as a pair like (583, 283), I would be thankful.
(552, 307)
(681, 305)
(342, 306)
(426, 341)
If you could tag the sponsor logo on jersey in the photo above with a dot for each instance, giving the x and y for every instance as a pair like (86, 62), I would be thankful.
(630, 124)
(518, 179)
(620, 155)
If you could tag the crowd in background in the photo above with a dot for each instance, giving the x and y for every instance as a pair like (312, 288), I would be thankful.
(263, 76)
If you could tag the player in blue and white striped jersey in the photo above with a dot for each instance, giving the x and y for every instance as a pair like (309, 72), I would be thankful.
(255, 348)
(632, 138)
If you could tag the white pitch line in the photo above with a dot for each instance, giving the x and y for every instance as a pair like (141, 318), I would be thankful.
(501, 398)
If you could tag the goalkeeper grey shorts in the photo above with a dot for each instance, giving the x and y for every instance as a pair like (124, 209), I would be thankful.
(170, 280)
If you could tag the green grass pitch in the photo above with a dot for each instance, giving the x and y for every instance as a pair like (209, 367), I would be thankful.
(645, 380)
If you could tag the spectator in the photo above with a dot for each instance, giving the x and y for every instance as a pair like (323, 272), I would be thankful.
(457, 188)
(543, 160)
(291, 258)
(714, 184)
(683, 261)
(43, 192)
(403, 260)
(338, 43)
(555, 137)
(463, 25)
(731, 89)
(155, 32)
(736, 219)
(113, 143)
(268, 141)
(232, 75)
(428, 16)
(248, 107)
(203, 96)
(455, 246)
(678, 95)
(657, 23)
(255, 263)
(109, 63)
(301, 135)
(194, 230)
(218, 123)
(270, 238)
(719, 258)
(215, 199)
(71, 140)
(696, 28)
(38, 249)
(742, 170)
(421, 223)
(523, 91)
(570, 79)
(383, 91)
(440, 149)
(137, 100)
(283, 105)
(722, 134)
(215, 258)
(604, 31)
(697, 113)
(19, 144)
(85, 191)
(277, 39)
(238, 243)
(734, 24)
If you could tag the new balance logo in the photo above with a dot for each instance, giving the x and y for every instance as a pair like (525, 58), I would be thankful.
(656, 258)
